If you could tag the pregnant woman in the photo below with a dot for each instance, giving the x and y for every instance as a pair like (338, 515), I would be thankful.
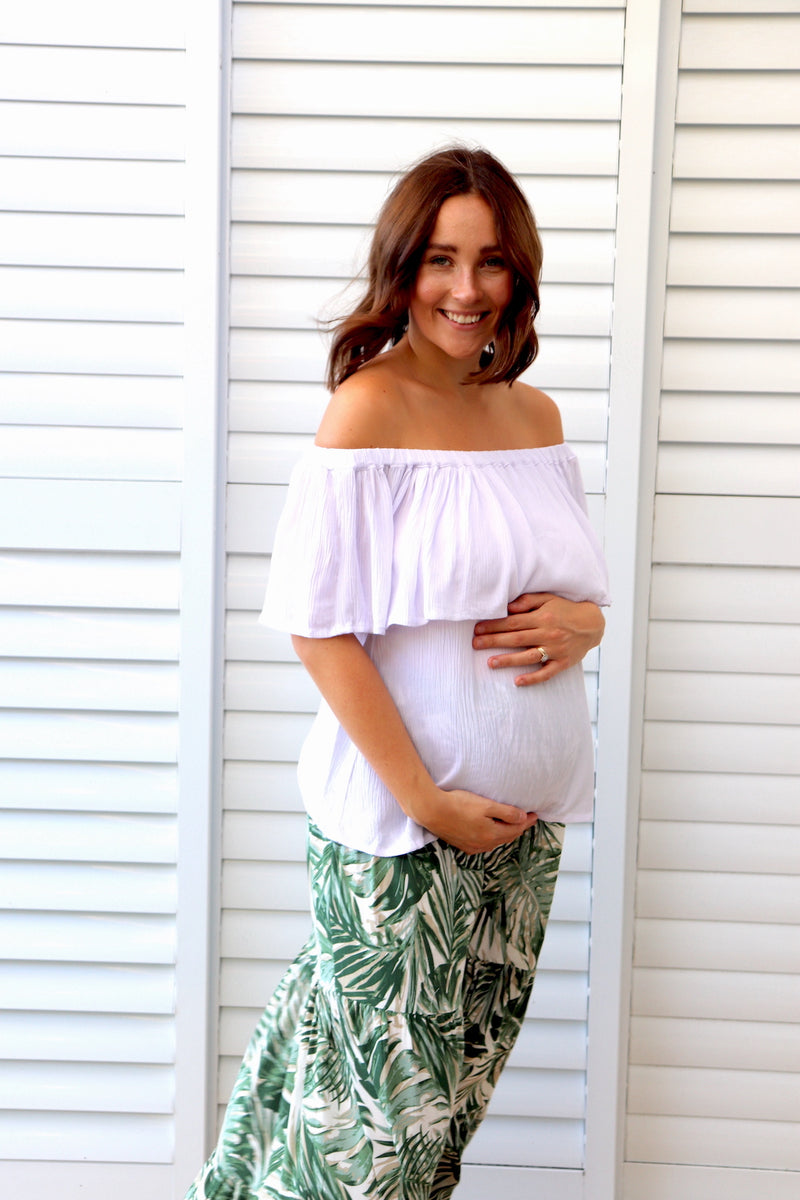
(439, 494)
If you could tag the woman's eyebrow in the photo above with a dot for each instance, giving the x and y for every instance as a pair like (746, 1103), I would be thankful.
(454, 249)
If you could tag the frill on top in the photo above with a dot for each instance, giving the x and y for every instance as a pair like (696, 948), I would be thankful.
(371, 538)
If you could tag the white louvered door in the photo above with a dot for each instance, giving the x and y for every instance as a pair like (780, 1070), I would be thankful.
(99, 631)
(539, 86)
(714, 1084)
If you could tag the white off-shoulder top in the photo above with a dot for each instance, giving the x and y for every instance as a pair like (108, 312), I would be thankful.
(408, 549)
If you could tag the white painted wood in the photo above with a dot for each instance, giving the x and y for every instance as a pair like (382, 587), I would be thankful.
(725, 593)
(515, 1141)
(69, 633)
(67, 937)
(51, 1037)
(702, 312)
(741, 260)
(659, 1181)
(85, 400)
(751, 749)
(743, 698)
(738, 42)
(705, 646)
(70, 1087)
(81, 295)
(737, 153)
(726, 470)
(762, 1145)
(90, 580)
(89, 988)
(78, 1179)
(89, 515)
(57, 1137)
(716, 896)
(440, 90)
(91, 130)
(91, 240)
(356, 4)
(709, 995)
(753, 799)
(83, 837)
(90, 23)
(67, 74)
(92, 888)
(749, 419)
(91, 185)
(746, 97)
(770, 1096)
(88, 787)
(744, 1045)
(98, 736)
(716, 945)
(752, 531)
(334, 143)
(395, 35)
(733, 207)
(80, 453)
(106, 347)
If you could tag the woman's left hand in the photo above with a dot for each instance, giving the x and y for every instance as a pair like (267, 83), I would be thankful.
(566, 630)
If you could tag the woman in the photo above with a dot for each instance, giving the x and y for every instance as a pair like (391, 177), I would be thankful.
(439, 491)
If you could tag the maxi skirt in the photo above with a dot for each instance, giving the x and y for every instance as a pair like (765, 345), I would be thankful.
(374, 1062)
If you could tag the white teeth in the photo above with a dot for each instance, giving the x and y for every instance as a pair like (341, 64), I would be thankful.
(463, 318)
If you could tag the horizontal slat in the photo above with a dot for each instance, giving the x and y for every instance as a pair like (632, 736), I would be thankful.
(89, 634)
(78, 1180)
(251, 934)
(89, 515)
(296, 355)
(438, 90)
(91, 240)
(348, 143)
(683, 796)
(67, 294)
(726, 207)
(723, 260)
(756, 1144)
(82, 987)
(91, 130)
(520, 1141)
(272, 303)
(686, 894)
(725, 366)
(88, 787)
(89, 686)
(356, 4)
(93, 837)
(557, 995)
(729, 470)
(743, 1095)
(92, 185)
(726, 696)
(73, 887)
(90, 23)
(78, 737)
(339, 251)
(736, 42)
(52, 452)
(77, 1137)
(745, 97)
(661, 1181)
(725, 593)
(716, 996)
(281, 32)
(113, 76)
(734, 312)
(86, 400)
(735, 420)
(109, 580)
(279, 408)
(707, 847)
(752, 531)
(743, 1045)
(69, 938)
(721, 646)
(261, 787)
(261, 738)
(739, 153)
(716, 945)
(124, 348)
(694, 746)
(558, 1094)
(354, 199)
(281, 837)
(252, 884)
(56, 1037)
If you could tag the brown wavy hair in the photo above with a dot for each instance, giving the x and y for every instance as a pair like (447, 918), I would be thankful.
(402, 231)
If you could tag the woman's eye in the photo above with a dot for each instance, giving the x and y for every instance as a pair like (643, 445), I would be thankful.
(495, 262)
(438, 260)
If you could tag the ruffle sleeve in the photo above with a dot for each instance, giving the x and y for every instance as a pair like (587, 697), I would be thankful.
(331, 568)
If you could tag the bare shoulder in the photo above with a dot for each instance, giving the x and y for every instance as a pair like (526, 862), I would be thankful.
(540, 414)
(362, 412)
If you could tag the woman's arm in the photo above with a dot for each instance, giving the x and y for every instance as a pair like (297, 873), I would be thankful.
(357, 695)
(567, 630)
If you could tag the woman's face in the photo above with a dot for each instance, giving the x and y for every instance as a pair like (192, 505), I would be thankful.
(463, 285)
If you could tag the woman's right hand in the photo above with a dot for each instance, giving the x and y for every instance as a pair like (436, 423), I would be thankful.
(470, 822)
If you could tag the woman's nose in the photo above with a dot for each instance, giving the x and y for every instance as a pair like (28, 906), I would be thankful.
(465, 285)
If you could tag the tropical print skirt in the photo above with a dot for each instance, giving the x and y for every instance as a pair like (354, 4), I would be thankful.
(374, 1062)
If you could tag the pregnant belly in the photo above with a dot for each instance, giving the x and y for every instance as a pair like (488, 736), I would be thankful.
(474, 729)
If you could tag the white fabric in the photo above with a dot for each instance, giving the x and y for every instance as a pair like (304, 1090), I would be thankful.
(408, 549)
